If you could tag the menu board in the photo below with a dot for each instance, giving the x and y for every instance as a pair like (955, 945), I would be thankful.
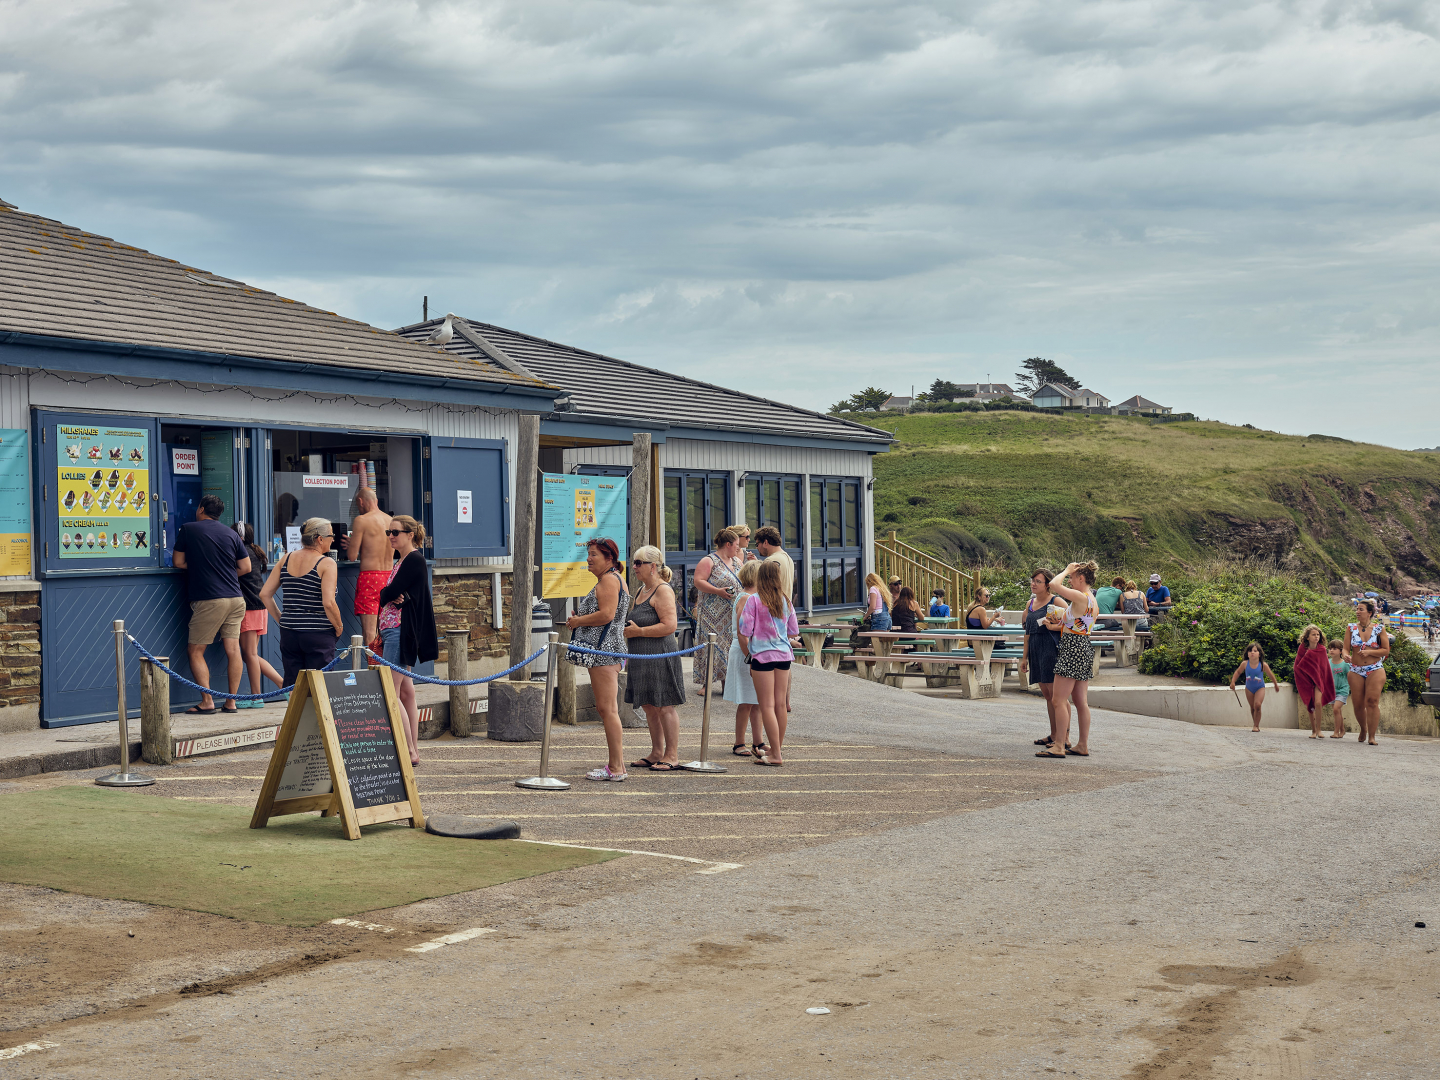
(367, 738)
(341, 750)
(573, 511)
(14, 502)
(307, 770)
(102, 492)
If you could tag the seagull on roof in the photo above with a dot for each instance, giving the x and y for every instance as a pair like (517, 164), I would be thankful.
(443, 333)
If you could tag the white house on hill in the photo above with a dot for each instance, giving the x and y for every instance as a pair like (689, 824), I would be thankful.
(1055, 396)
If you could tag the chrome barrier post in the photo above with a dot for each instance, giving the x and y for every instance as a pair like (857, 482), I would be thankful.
(357, 651)
(705, 765)
(123, 778)
(546, 782)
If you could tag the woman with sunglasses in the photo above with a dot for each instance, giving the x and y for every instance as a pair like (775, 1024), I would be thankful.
(599, 622)
(310, 622)
(407, 618)
(657, 686)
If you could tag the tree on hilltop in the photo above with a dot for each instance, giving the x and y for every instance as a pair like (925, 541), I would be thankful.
(869, 399)
(1037, 371)
(941, 390)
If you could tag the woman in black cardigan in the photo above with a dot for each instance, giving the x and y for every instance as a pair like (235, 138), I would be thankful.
(407, 618)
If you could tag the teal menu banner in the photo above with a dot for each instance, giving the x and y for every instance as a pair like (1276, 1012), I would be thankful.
(14, 502)
(573, 511)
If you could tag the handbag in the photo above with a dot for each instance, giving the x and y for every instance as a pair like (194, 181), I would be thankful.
(862, 627)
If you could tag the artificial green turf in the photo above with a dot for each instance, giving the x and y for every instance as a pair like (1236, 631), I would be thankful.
(297, 871)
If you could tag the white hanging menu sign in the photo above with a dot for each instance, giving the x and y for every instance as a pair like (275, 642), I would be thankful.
(465, 517)
(292, 538)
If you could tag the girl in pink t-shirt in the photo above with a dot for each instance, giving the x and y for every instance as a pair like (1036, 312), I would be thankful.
(767, 625)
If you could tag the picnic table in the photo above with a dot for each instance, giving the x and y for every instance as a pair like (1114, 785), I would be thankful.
(983, 683)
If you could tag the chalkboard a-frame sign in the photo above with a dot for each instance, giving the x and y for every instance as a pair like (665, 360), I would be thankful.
(342, 751)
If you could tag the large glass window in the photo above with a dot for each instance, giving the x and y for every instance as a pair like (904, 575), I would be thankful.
(775, 501)
(836, 535)
(697, 506)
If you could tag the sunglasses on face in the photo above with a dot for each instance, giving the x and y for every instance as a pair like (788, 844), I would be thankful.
(639, 563)
(397, 532)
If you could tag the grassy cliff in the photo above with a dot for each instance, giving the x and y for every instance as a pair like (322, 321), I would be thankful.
(1015, 487)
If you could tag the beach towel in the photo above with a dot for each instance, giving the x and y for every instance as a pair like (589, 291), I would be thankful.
(1312, 669)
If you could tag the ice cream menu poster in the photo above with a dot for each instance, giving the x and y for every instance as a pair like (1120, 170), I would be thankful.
(103, 491)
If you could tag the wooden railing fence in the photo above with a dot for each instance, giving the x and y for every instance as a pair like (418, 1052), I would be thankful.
(923, 572)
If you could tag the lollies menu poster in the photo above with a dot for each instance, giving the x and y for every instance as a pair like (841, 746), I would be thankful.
(103, 491)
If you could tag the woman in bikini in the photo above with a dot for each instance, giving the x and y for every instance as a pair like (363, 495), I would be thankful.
(1074, 660)
(1255, 671)
(1366, 647)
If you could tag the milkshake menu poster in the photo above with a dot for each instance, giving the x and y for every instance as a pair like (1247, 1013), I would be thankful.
(103, 492)
(573, 511)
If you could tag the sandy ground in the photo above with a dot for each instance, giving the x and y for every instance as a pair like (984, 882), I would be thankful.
(1188, 902)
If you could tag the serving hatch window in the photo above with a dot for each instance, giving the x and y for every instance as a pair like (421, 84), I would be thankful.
(320, 473)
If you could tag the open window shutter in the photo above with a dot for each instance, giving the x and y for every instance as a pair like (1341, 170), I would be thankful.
(467, 492)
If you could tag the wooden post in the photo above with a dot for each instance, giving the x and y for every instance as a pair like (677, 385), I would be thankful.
(457, 641)
(522, 581)
(639, 498)
(156, 745)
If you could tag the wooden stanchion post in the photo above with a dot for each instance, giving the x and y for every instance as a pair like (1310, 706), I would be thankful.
(156, 745)
(458, 667)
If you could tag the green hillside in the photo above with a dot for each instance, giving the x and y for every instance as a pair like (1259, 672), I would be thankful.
(1012, 488)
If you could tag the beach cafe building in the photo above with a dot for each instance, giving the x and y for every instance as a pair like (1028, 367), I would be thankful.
(719, 457)
(131, 384)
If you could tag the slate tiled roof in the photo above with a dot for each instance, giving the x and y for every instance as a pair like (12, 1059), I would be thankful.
(57, 281)
(1138, 402)
(601, 385)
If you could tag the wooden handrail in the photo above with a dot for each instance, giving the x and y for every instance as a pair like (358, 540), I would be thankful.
(892, 554)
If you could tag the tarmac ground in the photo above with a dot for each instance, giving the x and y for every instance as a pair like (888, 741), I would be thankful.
(1187, 902)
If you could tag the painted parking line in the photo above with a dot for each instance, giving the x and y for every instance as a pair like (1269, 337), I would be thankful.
(450, 939)
(27, 1048)
(871, 812)
(760, 791)
(363, 925)
(711, 867)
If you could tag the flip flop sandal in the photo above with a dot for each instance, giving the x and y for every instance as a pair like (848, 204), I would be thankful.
(196, 710)
(1076, 753)
(664, 766)
(1043, 742)
(1049, 754)
(643, 763)
(767, 761)
(739, 750)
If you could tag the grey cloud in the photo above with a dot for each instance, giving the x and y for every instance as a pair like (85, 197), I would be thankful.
(1156, 191)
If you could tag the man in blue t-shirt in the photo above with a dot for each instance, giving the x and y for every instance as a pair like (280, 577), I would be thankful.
(938, 608)
(214, 558)
(1157, 598)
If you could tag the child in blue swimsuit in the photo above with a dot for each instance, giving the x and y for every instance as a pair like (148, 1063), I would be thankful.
(1341, 672)
(1256, 671)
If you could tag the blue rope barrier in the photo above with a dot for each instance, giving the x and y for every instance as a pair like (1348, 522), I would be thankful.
(635, 656)
(182, 680)
(454, 682)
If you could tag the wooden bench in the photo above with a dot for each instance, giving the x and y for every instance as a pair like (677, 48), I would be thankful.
(975, 677)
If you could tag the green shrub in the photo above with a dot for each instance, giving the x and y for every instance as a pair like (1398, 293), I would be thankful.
(1207, 630)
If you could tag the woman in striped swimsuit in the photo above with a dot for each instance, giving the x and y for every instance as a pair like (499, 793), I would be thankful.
(1074, 660)
(1366, 645)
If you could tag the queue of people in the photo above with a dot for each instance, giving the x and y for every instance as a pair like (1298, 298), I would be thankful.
(235, 594)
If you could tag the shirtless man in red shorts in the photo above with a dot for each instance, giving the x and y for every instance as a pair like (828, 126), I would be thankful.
(367, 545)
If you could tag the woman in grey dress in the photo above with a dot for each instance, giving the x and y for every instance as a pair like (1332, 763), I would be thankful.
(657, 686)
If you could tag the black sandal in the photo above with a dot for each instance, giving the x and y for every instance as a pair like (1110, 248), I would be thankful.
(643, 763)
(759, 748)
(739, 750)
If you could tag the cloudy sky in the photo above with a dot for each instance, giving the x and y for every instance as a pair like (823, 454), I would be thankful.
(1230, 207)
